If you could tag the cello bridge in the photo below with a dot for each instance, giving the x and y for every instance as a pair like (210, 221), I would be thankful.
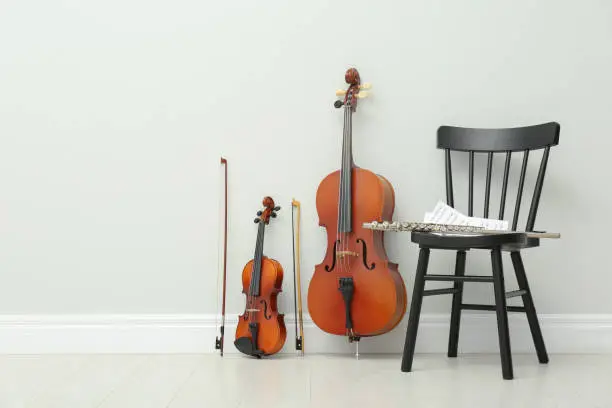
(341, 254)
(253, 310)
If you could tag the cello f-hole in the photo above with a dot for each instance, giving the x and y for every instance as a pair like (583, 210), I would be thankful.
(331, 268)
(365, 255)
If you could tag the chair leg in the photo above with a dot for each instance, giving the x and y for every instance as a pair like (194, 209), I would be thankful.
(415, 310)
(502, 314)
(453, 337)
(530, 310)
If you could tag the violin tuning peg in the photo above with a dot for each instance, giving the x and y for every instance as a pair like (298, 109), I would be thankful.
(362, 95)
(256, 220)
(366, 85)
(259, 213)
(340, 92)
(273, 215)
(277, 208)
(338, 104)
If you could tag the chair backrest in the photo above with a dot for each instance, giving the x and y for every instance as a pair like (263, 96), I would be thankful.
(501, 141)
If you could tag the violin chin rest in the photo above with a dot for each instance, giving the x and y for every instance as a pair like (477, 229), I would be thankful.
(245, 346)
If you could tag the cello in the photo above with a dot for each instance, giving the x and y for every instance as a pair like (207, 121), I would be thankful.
(261, 329)
(356, 291)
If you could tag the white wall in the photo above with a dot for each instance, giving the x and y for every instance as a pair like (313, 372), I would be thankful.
(113, 116)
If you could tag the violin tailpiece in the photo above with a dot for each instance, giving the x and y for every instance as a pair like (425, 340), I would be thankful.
(248, 345)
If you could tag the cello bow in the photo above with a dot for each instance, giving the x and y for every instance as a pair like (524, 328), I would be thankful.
(220, 339)
(297, 289)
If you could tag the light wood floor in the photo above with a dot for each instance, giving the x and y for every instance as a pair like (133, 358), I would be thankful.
(150, 381)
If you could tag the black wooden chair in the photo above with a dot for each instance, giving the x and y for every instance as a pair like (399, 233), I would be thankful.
(490, 141)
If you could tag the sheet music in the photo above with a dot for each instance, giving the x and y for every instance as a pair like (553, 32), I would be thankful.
(445, 214)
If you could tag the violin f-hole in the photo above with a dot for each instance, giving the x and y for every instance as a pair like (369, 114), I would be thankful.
(331, 268)
(266, 316)
(365, 255)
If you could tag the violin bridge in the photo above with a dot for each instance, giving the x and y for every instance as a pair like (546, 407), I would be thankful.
(253, 310)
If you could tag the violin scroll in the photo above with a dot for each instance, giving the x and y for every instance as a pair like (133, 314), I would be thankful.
(269, 211)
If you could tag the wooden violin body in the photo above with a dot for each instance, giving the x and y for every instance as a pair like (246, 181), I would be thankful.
(262, 310)
(261, 329)
(356, 291)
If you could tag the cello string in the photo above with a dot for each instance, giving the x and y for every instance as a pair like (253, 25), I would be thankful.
(340, 195)
(349, 182)
(349, 176)
(349, 179)
(342, 260)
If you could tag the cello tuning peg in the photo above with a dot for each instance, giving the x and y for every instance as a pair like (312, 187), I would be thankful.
(338, 104)
(259, 213)
(362, 95)
(366, 85)
(273, 215)
(277, 208)
(340, 92)
(256, 220)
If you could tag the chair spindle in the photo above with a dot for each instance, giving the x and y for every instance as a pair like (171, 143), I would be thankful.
(488, 185)
(449, 180)
(537, 191)
(471, 187)
(502, 204)
(519, 195)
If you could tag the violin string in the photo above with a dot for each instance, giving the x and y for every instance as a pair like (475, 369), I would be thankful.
(256, 274)
(251, 291)
(256, 263)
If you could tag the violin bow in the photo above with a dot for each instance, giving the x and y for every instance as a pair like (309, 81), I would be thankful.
(220, 339)
(297, 289)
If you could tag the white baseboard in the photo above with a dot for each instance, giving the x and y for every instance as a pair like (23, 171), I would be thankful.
(196, 334)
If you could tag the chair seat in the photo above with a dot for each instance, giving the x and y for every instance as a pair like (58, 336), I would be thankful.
(506, 241)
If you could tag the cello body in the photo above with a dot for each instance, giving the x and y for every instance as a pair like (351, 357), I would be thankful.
(356, 291)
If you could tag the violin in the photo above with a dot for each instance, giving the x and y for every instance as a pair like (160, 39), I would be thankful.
(356, 291)
(261, 329)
